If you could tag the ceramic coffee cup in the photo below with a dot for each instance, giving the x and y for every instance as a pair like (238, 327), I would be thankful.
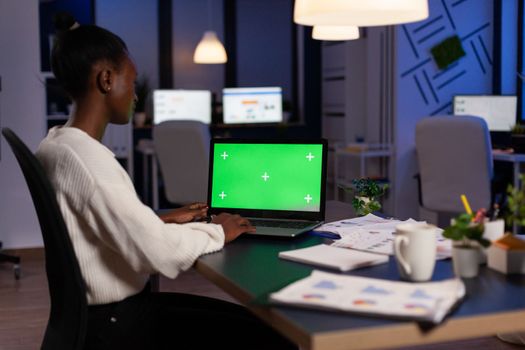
(415, 251)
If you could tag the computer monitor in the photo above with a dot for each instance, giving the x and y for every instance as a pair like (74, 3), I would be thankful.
(498, 111)
(181, 105)
(252, 105)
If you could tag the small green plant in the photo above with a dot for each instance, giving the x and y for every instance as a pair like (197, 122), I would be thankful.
(366, 194)
(518, 129)
(515, 211)
(465, 232)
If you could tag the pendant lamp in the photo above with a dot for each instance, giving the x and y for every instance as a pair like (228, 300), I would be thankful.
(210, 49)
(359, 13)
(335, 32)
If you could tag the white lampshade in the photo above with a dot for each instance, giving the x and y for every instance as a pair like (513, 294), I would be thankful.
(335, 32)
(210, 50)
(359, 13)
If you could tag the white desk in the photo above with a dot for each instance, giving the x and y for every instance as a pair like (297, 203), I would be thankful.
(367, 152)
(515, 158)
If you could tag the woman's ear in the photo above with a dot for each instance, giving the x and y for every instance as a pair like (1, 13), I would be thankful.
(104, 80)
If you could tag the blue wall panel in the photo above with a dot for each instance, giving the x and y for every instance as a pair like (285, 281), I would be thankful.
(509, 46)
(423, 90)
(421, 81)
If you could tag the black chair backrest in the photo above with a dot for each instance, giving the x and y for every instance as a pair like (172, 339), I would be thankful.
(67, 325)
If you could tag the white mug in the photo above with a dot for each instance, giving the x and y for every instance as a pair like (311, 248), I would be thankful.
(415, 251)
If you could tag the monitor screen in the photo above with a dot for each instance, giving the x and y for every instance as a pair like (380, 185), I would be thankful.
(181, 105)
(498, 111)
(252, 105)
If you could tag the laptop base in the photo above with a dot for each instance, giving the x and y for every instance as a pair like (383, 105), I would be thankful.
(282, 231)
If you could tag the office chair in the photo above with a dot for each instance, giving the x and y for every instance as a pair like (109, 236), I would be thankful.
(15, 260)
(182, 149)
(455, 157)
(67, 324)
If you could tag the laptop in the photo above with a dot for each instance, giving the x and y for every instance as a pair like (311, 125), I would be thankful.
(280, 186)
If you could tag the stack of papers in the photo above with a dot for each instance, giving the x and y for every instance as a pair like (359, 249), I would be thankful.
(341, 259)
(374, 234)
(430, 301)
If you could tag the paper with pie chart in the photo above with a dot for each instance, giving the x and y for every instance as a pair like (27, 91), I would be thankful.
(430, 301)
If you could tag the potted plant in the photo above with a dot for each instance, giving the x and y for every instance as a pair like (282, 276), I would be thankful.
(142, 91)
(517, 138)
(366, 195)
(515, 208)
(507, 254)
(467, 235)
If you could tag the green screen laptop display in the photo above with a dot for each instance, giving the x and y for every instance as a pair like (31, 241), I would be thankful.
(267, 176)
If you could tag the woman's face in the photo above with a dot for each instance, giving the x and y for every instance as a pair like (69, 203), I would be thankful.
(122, 96)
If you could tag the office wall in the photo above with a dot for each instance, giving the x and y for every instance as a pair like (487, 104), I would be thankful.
(21, 109)
(22, 98)
(135, 21)
(190, 20)
(509, 46)
(423, 90)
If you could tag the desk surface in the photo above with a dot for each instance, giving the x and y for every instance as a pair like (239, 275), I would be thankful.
(249, 270)
(508, 157)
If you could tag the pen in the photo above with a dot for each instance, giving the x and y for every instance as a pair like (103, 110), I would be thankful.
(466, 205)
(326, 234)
(495, 212)
(480, 215)
(495, 208)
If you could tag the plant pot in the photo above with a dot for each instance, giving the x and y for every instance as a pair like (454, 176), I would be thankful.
(492, 231)
(517, 141)
(364, 199)
(365, 209)
(466, 261)
(360, 209)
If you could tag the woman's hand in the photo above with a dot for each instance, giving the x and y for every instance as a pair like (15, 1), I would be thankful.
(233, 225)
(187, 213)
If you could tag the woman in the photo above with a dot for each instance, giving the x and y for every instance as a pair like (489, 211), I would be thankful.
(118, 241)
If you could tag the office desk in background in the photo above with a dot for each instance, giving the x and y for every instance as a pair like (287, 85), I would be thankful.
(362, 153)
(515, 158)
(150, 188)
(249, 269)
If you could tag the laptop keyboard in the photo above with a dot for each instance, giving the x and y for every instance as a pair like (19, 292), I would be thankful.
(279, 223)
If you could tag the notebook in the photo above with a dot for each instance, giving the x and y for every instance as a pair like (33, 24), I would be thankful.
(341, 259)
(279, 185)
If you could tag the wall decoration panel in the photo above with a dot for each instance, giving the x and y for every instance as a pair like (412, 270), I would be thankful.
(421, 89)
(430, 88)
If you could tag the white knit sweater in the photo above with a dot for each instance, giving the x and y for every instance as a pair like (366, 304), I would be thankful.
(118, 240)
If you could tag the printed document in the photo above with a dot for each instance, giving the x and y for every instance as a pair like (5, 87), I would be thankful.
(374, 234)
(430, 301)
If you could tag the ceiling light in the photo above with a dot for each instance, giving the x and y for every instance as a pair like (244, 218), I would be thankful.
(359, 13)
(210, 49)
(335, 32)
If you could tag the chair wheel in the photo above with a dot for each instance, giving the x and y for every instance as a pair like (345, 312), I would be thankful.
(17, 271)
